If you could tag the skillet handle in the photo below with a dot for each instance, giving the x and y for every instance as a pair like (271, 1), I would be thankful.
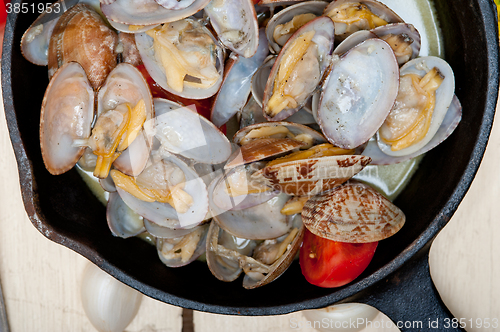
(410, 299)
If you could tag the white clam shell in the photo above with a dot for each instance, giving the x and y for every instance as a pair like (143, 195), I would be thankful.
(157, 72)
(353, 40)
(165, 232)
(230, 17)
(235, 88)
(263, 221)
(183, 131)
(122, 221)
(358, 94)
(35, 42)
(444, 97)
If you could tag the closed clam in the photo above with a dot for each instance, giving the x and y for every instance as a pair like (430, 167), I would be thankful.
(81, 35)
(353, 213)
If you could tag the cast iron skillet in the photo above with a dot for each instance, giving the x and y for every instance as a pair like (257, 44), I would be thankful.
(397, 281)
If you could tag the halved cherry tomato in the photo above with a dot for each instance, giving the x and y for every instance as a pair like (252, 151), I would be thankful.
(328, 263)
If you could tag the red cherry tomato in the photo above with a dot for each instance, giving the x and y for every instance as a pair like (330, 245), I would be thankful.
(328, 263)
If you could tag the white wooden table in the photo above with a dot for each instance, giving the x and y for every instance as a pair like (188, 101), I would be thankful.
(41, 279)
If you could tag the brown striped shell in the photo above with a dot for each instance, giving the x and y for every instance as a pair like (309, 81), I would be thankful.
(260, 149)
(311, 176)
(353, 213)
(81, 35)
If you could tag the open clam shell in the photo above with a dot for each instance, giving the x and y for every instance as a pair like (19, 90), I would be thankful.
(235, 22)
(81, 35)
(343, 29)
(157, 71)
(450, 122)
(122, 220)
(311, 176)
(304, 83)
(194, 242)
(285, 16)
(358, 94)
(66, 115)
(147, 12)
(163, 214)
(182, 131)
(235, 88)
(125, 84)
(258, 274)
(223, 252)
(259, 81)
(353, 213)
(407, 32)
(263, 221)
(444, 97)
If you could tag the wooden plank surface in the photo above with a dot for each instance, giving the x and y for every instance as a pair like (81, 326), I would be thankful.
(41, 279)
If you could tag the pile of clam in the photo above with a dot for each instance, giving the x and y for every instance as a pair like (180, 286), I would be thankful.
(319, 90)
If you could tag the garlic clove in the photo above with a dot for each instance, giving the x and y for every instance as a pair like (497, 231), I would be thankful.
(109, 304)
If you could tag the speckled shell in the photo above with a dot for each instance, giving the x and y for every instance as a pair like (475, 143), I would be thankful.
(81, 35)
(311, 176)
(353, 213)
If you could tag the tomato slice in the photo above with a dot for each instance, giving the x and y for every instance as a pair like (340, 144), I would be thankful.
(328, 263)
